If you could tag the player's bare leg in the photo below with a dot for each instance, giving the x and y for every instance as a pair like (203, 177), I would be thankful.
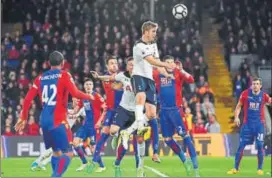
(37, 163)
(153, 123)
(114, 129)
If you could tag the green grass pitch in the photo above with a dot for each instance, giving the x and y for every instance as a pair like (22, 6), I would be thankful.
(170, 166)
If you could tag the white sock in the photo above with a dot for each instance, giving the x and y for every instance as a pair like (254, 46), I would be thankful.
(47, 153)
(141, 154)
(139, 112)
(46, 161)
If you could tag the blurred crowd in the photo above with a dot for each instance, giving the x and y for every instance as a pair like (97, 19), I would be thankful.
(86, 32)
(247, 29)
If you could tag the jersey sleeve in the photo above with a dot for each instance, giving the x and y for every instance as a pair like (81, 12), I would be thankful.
(243, 96)
(100, 101)
(32, 92)
(68, 82)
(143, 50)
(185, 76)
(267, 99)
(119, 77)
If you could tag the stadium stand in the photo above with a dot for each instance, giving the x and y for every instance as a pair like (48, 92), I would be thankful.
(86, 32)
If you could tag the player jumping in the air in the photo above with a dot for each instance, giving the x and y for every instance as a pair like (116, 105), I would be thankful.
(145, 54)
(87, 130)
(170, 96)
(53, 87)
(113, 98)
(125, 115)
(253, 101)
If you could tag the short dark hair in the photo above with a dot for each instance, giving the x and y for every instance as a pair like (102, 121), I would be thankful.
(56, 58)
(130, 58)
(167, 57)
(110, 58)
(257, 79)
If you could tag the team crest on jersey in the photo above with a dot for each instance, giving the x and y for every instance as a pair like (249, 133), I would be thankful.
(87, 105)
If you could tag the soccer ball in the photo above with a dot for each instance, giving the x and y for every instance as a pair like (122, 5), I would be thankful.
(180, 11)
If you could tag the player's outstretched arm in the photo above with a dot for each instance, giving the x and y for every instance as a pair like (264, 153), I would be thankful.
(150, 59)
(102, 77)
(267, 99)
(68, 82)
(31, 94)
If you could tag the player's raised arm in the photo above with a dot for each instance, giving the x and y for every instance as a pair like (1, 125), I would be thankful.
(102, 77)
(186, 76)
(68, 82)
(239, 107)
(31, 94)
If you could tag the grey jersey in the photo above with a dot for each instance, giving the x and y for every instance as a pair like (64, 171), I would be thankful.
(140, 51)
(128, 98)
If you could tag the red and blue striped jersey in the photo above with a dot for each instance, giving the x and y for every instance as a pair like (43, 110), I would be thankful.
(113, 97)
(170, 90)
(53, 87)
(254, 105)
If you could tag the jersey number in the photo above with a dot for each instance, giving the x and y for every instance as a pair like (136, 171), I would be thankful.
(260, 137)
(46, 92)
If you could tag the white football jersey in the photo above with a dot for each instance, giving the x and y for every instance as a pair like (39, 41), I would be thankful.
(140, 51)
(128, 98)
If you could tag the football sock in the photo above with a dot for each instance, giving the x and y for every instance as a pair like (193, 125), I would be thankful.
(54, 161)
(239, 155)
(176, 148)
(99, 146)
(189, 144)
(62, 165)
(121, 151)
(260, 154)
(135, 151)
(81, 154)
(155, 135)
(139, 112)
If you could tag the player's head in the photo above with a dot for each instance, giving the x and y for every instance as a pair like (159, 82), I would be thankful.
(149, 30)
(56, 59)
(129, 62)
(112, 64)
(170, 60)
(256, 84)
(88, 85)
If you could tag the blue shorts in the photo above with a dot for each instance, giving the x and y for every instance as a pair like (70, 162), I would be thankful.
(85, 132)
(108, 118)
(171, 121)
(123, 118)
(142, 84)
(58, 139)
(251, 131)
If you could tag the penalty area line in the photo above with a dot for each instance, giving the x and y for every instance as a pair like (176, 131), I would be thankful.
(155, 171)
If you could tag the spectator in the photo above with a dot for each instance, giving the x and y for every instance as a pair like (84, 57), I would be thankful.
(212, 126)
(207, 106)
(8, 131)
(32, 127)
(199, 127)
(239, 86)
